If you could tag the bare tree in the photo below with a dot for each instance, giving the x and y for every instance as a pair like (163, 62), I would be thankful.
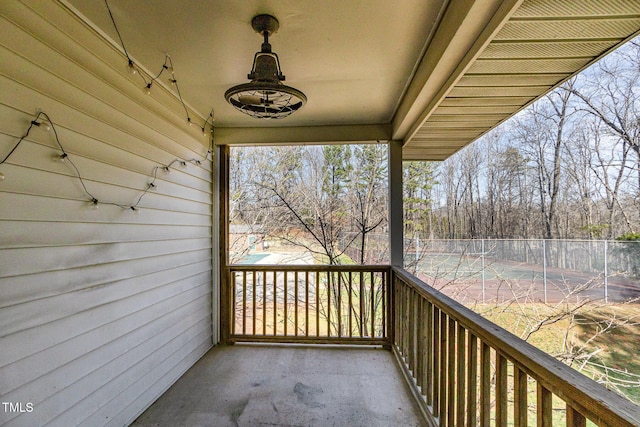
(610, 93)
(368, 197)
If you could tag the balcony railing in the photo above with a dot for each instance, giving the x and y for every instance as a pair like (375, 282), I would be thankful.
(466, 370)
(463, 369)
(310, 304)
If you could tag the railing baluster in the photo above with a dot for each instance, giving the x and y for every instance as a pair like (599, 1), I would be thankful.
(295, 304)
(254, 302)
(397, 334)
(451, 373)
(329, 283)
(339, 304)
(436, 362)
(244, 303)
(350, 288)
(399, 316)
(485, 385)
(317, 303)
(405, 321)
(544, 409)
(443, 368)
(460, 376)
(429, 372)
(264, 302)
(361, 298)
(472, 380)
(306, 303)
(411, 330)
(234, 310)
(575, 418)
(275, 303)
(373, 305)
(339, 311)
(420, 338)
(520, 406)
(383, 302)
(285, 301)
(417, 326)
(501, 390)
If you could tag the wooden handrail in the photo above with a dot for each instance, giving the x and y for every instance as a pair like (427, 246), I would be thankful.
(437, 340)
(309, 267)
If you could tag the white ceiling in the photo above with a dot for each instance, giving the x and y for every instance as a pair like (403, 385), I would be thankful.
(371, 69)
(354, 54)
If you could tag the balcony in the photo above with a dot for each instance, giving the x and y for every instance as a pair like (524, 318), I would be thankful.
(249, 385)
(458, 368)
(102, 310)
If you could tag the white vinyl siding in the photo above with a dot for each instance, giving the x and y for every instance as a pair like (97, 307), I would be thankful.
(100, 310)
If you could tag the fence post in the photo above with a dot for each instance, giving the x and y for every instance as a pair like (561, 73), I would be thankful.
(544, 268)
(606, 273)
(482, 252)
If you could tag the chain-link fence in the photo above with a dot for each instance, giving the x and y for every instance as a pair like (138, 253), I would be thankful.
(539, 270)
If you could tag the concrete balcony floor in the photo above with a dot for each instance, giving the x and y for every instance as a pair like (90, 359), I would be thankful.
(267, 385)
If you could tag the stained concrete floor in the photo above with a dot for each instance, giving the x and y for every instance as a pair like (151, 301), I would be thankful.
(259, 385)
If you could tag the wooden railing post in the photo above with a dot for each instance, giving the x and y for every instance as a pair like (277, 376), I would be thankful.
(226, 310)
(391, 309)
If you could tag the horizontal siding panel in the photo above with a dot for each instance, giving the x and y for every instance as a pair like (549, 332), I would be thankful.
(29, 207)
(23, 234)
(46, 259)
(20, 289)
(42, 311)
(40, 149)
(46, 159)
(70, 38)
(27, 100)
(61, 92)
(133, 408)
(119, 308)
(69, 187)
(67, 361)
(74, 85)
(98, 368)
(116, 393)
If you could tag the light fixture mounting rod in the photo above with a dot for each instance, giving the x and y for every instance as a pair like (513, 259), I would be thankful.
(265, 24)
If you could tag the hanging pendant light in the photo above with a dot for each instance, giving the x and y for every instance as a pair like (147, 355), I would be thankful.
(265, 97)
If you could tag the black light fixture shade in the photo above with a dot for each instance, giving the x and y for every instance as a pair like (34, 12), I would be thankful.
(265, 97)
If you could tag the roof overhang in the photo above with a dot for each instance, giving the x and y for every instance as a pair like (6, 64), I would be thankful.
(435, 75)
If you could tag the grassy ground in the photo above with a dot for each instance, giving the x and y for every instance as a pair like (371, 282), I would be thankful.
(620, 346)
(603, 342)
